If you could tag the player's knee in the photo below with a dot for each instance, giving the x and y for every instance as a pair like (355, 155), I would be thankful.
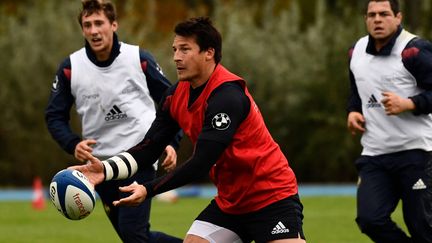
(367, 225)
(375, 226)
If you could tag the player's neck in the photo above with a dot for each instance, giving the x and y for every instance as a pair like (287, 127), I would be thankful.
(204, 77)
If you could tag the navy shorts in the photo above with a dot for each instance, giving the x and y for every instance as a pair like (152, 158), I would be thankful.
(280, 220)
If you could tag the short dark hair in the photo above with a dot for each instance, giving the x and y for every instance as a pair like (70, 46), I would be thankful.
(90, 7)
(394, 4)
(205, 34)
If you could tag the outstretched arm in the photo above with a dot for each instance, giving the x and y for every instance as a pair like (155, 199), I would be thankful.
(198, 166)
(121, 166)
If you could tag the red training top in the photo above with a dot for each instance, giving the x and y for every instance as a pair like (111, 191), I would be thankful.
(252, 172)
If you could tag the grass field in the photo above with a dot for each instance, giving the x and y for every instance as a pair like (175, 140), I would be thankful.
(327, 220)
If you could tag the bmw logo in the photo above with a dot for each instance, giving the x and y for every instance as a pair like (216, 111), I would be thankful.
(221, 121)
(55, 84)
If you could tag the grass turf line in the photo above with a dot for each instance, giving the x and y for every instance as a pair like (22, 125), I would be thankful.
(327, 219)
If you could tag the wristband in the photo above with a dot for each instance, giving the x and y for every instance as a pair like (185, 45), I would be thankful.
(121, 166)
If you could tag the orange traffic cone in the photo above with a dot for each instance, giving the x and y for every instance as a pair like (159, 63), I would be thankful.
(38, 202)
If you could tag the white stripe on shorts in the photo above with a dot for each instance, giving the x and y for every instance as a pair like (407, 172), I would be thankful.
(213, 233)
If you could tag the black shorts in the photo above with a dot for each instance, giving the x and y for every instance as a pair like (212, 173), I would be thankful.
(280, 220)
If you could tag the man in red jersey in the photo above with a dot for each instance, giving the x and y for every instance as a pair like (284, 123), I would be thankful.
(257, 197)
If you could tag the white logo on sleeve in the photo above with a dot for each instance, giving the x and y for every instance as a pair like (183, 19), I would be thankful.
(221, 121)
(159, 69)
(55, 84)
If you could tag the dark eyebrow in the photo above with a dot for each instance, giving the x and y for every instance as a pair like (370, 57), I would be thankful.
(182, 45)
(380, 13)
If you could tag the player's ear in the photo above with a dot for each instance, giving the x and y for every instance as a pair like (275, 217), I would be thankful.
(210, 52)
(399, 17)
(114, 26)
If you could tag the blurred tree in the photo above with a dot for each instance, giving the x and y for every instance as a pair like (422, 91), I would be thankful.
(298, 78)
(32, 43)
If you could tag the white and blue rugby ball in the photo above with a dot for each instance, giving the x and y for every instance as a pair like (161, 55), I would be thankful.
(72, 194)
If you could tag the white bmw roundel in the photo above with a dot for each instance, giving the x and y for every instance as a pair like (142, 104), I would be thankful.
(55, 84)
(221, 121)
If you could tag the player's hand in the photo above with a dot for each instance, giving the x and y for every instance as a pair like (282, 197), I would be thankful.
(93, 170)
(170, 160)
(138, 195)
(84, 148)
(394, 104)
(356, 122)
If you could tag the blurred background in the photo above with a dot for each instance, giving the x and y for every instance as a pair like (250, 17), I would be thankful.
(292, 53)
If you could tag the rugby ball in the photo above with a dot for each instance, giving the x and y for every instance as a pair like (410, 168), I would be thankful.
(72, 194)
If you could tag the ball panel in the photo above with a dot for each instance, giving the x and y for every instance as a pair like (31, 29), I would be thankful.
(80, 206)
(61, 181)
(54, 196)
(89, 189)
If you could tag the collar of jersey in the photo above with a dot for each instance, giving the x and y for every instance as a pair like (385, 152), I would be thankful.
(115, 51)
(386, 50)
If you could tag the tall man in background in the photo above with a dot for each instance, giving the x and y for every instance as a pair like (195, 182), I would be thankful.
(390, 104)
(114, 86)
(257, 195)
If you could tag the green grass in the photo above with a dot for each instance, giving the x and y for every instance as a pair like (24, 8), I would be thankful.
(327, 220)
(331, 220)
